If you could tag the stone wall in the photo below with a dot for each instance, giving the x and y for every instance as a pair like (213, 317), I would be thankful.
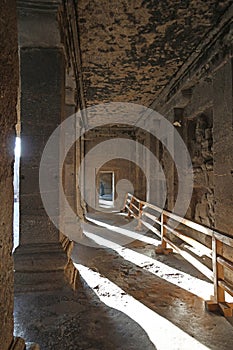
(8, 117)
(223, 146)
(199, 102)
(200, 140)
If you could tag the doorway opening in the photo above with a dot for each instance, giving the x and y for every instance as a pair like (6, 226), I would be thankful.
(16, 193)
(106, 186)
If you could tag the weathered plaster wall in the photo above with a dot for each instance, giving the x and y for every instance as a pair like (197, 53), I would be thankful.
(8, 117)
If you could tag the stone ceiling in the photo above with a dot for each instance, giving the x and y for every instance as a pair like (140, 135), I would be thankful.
(131, 49)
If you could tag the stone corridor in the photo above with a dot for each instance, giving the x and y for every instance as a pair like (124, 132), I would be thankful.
(136, 95)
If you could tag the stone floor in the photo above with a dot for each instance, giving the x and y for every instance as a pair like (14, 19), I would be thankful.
(127, 298)
(68, 320)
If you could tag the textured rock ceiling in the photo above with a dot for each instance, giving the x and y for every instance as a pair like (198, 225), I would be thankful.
(131, 49)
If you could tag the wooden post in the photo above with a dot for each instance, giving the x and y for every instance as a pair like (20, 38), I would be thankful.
(125, 202)
(130, 206)
(212, 305)
(139, 226)
(162, 248)
(163, 230)
(217, 248)
(217, 302)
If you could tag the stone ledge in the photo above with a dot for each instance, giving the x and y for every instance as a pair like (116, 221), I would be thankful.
(44, 267)
(26, 282)
(40, 258)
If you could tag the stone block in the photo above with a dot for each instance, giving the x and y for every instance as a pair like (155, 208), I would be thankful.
(31, 224)
(41, 257)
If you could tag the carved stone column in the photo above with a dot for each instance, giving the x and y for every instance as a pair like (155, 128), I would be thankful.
(39, 260)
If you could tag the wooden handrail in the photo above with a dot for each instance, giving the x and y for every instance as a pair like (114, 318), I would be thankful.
(161, 217)
(191, 241)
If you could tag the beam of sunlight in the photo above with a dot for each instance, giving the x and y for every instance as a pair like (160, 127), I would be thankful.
(181, 279)
(162, 333)
(17, 147)
(123, 231)
(16, 193)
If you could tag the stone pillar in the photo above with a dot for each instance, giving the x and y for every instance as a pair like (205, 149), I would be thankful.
(74, 157)
(9, 83)
(75, 101)
(223, 147)
(69, 170)
(42, 72)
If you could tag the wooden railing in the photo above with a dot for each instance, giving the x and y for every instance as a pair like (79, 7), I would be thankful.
(211, 243)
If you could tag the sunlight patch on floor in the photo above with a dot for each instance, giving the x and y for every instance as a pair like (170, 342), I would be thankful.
(123, 231)
(181, 279)
(106, 204)
(162, 333)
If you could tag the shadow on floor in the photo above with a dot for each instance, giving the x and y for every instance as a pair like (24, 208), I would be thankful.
(75, 320)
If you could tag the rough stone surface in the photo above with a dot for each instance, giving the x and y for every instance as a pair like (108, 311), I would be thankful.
(223, 147)
(39, 252)
(8, 101)
(131, 50)
(195, 100)
(42, 84)
(74, 321)
(41, 100)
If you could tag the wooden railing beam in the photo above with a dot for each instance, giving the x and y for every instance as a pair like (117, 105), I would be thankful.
(219, 262)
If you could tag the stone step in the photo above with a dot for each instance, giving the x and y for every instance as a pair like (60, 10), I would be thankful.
(39, 281)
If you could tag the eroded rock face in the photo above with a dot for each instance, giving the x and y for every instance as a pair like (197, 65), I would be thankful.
(130, 51)
(8, 100)
(202, 159)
